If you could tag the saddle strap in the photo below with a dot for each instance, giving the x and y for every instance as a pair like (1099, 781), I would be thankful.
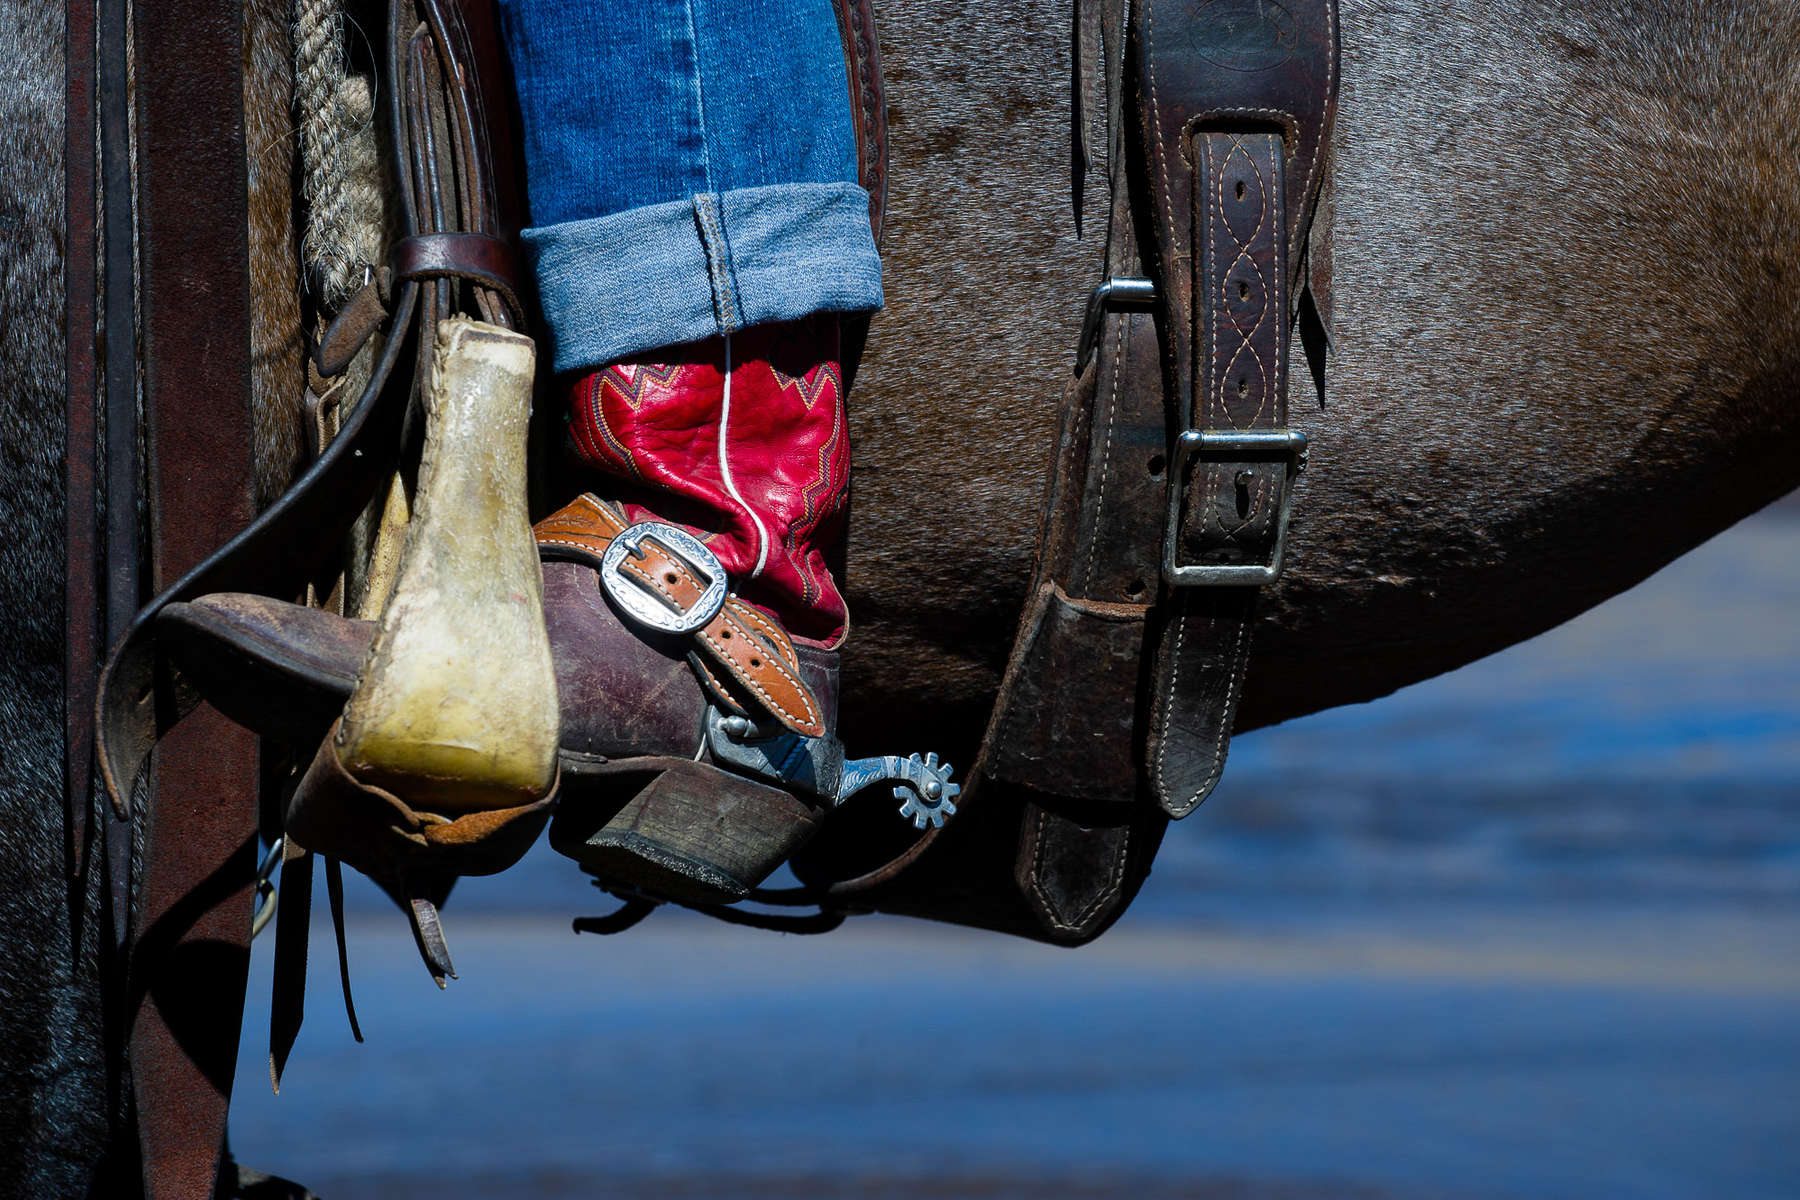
(1174, 484)
(189, 948)
(1171, 478)
(199, 849)
(868, 102)
(1174, 478)
(1235, 129)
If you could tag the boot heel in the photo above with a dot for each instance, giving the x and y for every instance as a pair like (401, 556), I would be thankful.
(455, 708)
(675, 828)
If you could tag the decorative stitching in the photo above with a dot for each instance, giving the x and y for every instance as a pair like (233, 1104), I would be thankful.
(1168, 698)
(735, 617)
(1222, 736)
(1245, 340)
(719, 690)
(811, 717)
(1121, 332)
(1162, 164)
(545, 540)
(1239, 659)
(770, 631)
(1050, 907)
(637, 572)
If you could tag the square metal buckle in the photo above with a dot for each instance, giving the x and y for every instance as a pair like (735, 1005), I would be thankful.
(1241, 445)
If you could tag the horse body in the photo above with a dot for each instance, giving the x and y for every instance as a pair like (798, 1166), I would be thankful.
(53, 1098)
(1565, 239)
(1564, 348)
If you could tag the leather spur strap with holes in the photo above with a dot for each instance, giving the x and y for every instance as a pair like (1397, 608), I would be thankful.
(1171, 481)
(743, 658)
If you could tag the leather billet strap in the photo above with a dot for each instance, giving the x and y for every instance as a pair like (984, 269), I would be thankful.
(1174, 460)
(1234, 118)
(735, 642)
(199, 855)
(1170, 480)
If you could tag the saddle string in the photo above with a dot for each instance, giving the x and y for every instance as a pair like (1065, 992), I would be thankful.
(334, 889)
(635, 906)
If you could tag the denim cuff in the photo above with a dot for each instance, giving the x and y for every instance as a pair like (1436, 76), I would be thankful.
(689, 269)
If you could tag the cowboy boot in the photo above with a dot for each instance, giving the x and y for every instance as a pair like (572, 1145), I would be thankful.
(697, 748)
(694, 621)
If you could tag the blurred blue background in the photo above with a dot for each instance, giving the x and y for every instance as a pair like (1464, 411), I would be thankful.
(1528, 930)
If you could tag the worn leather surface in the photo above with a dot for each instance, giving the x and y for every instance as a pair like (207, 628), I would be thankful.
(763, 480)
(1066, 725)
(868, 102)
(680, 829)
(469, 256)
(378, 833)
(600, 663)
(190, 950)
(1117, 703)
(282, 670)
(1234, 135)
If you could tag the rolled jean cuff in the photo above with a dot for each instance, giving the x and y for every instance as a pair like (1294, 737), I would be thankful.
(717, 262)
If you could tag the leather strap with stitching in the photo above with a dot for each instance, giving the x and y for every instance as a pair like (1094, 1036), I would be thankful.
(1234, 129)
(752, 650)
(1120, 695)
(868, 102)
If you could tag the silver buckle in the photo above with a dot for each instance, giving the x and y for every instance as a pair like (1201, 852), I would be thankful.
(1119, 293)
(1239, 445)
(647, 609)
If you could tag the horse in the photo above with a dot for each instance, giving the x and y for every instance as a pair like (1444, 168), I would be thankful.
(1562, 352)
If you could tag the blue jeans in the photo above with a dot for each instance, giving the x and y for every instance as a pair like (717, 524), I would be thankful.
(691, 169)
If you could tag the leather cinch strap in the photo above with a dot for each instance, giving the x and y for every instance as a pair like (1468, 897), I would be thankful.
(1177, 468)
(1235, 136)
(1173, 474)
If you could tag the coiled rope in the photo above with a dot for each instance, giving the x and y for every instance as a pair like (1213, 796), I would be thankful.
(340, 163)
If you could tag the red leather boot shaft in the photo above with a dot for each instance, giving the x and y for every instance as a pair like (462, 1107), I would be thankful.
(759, 469)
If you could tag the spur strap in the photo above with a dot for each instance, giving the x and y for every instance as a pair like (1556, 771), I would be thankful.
(658, 587)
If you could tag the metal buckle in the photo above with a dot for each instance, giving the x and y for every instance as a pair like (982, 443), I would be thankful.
(645, 608)
(1241, 445)
(1121, 293)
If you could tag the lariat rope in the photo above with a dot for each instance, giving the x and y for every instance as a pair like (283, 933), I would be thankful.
(340, 162)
